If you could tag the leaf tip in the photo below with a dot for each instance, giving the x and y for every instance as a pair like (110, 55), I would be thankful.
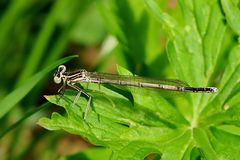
(123, 71)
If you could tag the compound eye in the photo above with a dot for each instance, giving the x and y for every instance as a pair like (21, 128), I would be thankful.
(61, 69)
(57, 79)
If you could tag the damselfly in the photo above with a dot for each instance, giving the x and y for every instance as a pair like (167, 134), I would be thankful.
(81, 76)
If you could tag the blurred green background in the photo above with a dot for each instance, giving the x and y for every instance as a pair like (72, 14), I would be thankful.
(35, 34)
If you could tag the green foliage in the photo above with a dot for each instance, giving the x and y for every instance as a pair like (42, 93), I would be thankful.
(15, 96)
(231, 9)
(89, 29)
(195, 126)
(48, 30)
(131, 122)
(16, 124)
(137, 32)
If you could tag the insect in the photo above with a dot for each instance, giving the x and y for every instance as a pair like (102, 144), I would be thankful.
(71, 79)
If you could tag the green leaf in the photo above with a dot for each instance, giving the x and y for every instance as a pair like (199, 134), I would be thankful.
(213, 38)
(135, 29)
(232, 11)
(194, 44)
(230, 129)
(230, 80)
(155, 103)
(15, 96)
(54, 18)
(123, 71)
(203, 141)
(117, 124)
(176, 40)
(41, 43)
(195, 41)
(235, 100)
(135, 122)
(225, 144)
(202, 12)
(229, 115)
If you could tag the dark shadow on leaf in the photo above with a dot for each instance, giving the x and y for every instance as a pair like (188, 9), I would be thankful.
(197, 154)
(123, 124)
(153, 156)
(123, 92)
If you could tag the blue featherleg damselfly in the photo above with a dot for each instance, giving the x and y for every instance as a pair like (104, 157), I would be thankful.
(82, 76)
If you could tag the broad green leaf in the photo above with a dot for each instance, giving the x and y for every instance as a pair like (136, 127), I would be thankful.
(117, 124)
(156, 103)
(15, 96)
(135, 122)
(122, 126)
(184, 40)
(187, 43)
(195, 42)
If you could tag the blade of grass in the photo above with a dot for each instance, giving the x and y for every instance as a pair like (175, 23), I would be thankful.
(110, 20)
(27, 115)
(68, 21)
(41, 42)
(15, 9)
(15, 96)
(77, 9)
